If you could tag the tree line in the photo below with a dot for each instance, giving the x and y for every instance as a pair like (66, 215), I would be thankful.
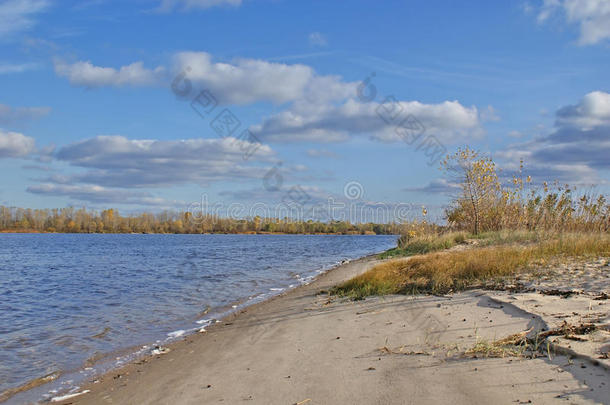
(81, 220)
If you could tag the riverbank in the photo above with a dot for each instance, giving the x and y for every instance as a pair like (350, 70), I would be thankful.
(77, 304)
(306, 347)
(351, 233)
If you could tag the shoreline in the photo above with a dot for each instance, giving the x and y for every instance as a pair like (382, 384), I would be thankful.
(227, 316)
(135, 353)
(301, 346)
(33, 231)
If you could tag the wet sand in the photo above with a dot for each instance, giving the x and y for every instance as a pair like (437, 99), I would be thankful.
(303, 347)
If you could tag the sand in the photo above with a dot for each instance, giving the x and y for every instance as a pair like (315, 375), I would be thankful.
(308, 348)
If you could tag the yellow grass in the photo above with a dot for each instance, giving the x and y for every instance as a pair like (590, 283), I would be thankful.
(456, 270)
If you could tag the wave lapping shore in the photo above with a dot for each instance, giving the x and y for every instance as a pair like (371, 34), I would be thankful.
(79, 305)
(307, 347)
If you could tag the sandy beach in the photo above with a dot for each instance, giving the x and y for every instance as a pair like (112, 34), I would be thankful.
(306, 347)
(304, 202)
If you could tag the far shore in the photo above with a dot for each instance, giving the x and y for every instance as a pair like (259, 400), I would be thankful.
(7, 231)
(307, 347)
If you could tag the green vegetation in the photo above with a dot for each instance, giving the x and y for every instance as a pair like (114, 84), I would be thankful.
(72, 220)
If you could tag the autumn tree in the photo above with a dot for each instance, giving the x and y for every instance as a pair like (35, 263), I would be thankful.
(84, 221)
(480, 189)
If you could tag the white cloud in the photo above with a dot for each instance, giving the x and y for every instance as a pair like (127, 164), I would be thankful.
(321, 108)
(10, 115)
(592, 111)
(593, 17)
(185, 5)
(575, 150)
(317, 39)
(116, 161)
(18, 15)
(242, 81)
(14, 144)
(118, 170)
(250, 80)
(84, 73)
(449, 121)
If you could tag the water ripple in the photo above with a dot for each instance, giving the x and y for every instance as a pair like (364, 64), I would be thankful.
(64, 299)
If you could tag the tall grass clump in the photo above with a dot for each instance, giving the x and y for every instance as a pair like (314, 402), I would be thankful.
(487, 203)
(495, 209)
(509, 223)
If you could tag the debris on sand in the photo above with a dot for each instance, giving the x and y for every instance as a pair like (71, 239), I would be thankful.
(386, 350)
(159, 350)
(68, 396)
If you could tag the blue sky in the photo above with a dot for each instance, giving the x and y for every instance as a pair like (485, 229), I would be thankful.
(88, 116)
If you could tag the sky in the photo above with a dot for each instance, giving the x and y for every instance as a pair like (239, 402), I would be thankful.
(148, 105)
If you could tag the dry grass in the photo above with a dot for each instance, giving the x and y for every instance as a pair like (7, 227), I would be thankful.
(484, 348)
(444, 272)
(519, 344)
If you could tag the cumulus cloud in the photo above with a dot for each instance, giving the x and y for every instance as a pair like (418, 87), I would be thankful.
(323, 108)
(14, 145)
(320, 108)
(247, 81)
(118, 170)
(578, 147)
(449, 121)
(116, 161)
(592, 111)
(242, 81)
(84, 73)
(592, 16)
(10, 115)
(19, 15)
(185, 5)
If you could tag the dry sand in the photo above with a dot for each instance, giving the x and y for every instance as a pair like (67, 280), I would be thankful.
(304, 348)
